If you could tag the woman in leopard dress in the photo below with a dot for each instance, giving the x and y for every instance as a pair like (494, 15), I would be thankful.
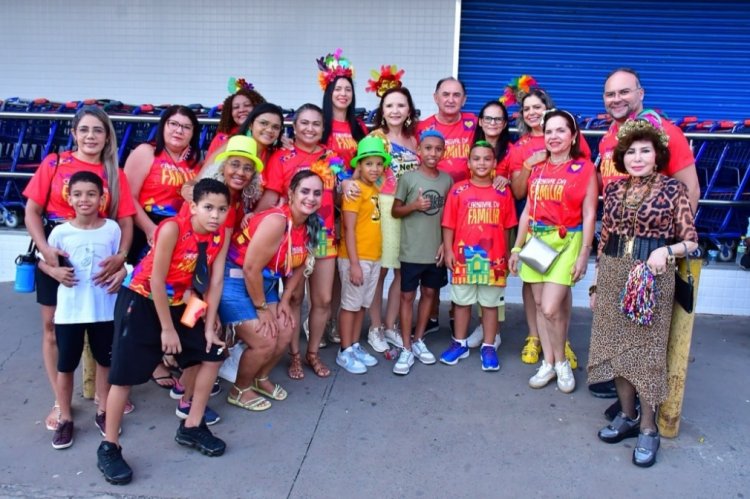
(646, 218)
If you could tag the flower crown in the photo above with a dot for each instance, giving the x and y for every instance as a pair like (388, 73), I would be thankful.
(647, 120)
(332, 66)
(389, 77)
(236, 84)
(516, 87)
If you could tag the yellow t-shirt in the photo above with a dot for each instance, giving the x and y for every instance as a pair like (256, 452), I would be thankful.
(367, 230)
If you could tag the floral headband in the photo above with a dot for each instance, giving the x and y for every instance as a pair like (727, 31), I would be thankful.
(236, 84)
(332, 66)
(389, 77)
(516, 88)
(648, 119)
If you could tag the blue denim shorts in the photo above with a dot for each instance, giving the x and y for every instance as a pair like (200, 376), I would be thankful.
(236, 305)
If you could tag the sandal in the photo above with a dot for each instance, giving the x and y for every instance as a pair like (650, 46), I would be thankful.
(278, 392)
(257, 404)
(320, 369)
(295, 366)
(53, 419)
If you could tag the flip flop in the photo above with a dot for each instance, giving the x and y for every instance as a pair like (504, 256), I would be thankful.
(158, 379)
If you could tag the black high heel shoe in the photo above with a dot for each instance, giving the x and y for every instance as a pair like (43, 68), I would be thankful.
(644, 454)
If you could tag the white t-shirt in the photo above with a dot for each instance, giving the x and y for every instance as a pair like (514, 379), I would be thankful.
(85, 302)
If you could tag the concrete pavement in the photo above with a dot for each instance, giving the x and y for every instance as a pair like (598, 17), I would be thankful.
(438, 432)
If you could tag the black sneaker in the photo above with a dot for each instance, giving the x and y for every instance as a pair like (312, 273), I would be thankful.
(63, 437)
(433, 326)
(201, 439)
(110, 462)
(604, 390)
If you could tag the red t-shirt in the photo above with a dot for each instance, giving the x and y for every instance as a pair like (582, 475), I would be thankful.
(182, 264)
(680, 154)
(342, 142)
(479, 217)
(234, 215)
(219, 140)
(47, 178)
(503, 166)
(292, 251)
(160, 192)
(556, 192)
(458, 138)
(285, 163)
(528, 145)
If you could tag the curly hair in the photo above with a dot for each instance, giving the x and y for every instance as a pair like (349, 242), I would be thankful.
(649, 134)
(226, 122)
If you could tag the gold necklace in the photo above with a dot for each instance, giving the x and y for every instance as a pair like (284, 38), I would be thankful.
(636, 207)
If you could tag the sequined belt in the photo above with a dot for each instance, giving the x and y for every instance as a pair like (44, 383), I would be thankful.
(641, 248)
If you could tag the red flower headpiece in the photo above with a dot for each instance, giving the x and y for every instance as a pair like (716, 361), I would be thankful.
(389, 77)
(332, 66)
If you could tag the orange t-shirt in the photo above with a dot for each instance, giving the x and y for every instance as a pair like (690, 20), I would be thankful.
(458, 139)
(680, 154)
(53, 179)
(556, 192)
(160, 192)
(182, 265)
(292, 251)
(285, 163)
(342, 142)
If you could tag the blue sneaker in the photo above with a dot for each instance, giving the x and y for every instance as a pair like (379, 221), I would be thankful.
(454, 353)
(211, 416)
(490, 361)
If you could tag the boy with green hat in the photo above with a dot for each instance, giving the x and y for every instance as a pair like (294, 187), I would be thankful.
(359, 254)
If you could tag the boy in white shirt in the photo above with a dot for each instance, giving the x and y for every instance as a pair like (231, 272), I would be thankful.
(82, 305)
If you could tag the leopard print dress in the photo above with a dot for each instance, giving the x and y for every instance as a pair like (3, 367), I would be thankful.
(620, 347)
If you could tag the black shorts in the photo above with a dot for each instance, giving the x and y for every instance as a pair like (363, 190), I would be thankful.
(70, 344)
(428, 275)
(136, 349)
(46, 289)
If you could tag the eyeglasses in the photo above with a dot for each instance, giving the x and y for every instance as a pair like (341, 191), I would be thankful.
(267, 124)
(625, 92)
(237, 165)
(492, 119)
(176, 124)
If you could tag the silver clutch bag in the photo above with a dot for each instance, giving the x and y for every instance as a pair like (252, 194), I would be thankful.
(538, 255)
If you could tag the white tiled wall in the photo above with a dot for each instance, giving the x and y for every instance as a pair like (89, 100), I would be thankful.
(174, 51)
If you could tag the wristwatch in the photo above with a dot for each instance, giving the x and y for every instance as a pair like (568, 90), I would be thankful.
(262, 306)
(670, 258)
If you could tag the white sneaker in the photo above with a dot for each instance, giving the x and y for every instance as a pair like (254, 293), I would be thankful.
(476, 338)
(544, 375)
(393, 336)
(404, 362)
(363, 356)
(306, 329)
(332, 332)
(419, 349)
(566, 382)
(376, 339)
(350, 362)
(231, 364)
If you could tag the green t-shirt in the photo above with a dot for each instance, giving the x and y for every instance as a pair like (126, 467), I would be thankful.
(421, 233)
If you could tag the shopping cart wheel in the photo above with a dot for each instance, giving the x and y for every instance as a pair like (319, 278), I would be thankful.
(11, 219)
(726, 253)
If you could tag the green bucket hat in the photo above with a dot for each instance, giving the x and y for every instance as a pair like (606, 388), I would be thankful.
(371, 146)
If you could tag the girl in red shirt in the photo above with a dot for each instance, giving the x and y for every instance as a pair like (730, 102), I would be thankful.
(278, 243)
(47, 193)
(561, 211)
(235, 109)
(307, 153)
(341, 129)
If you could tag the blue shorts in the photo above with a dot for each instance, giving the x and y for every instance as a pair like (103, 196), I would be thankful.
(236, 305)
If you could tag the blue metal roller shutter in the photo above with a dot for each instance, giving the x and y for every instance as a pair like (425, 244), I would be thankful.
(693, 56)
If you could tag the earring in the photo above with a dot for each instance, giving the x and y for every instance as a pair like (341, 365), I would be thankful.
(382, 121)
(408, 121)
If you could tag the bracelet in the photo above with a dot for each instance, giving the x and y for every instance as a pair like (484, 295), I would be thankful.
(670, 257)
(262, 306)
(515, 249)
(592, 289)
(525, 166)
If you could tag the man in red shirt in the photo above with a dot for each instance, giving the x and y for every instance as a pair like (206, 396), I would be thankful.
(456, 126)
(623, 99)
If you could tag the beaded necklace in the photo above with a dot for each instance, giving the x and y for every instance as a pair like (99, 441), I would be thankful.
(636, 207)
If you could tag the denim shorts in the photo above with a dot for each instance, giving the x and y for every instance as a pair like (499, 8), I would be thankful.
(236, 305)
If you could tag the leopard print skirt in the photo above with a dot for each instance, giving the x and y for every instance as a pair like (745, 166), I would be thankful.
(622, 348)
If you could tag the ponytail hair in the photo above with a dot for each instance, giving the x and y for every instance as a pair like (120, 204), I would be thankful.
(108, 156)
